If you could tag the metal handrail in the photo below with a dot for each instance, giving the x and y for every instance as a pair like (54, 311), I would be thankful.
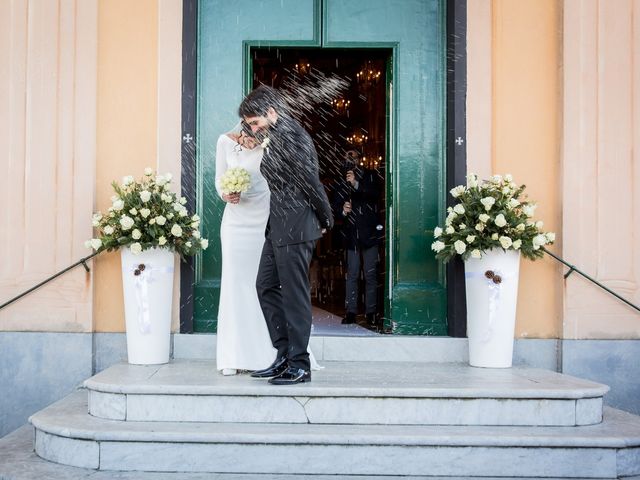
(82, 262)
(573, 268)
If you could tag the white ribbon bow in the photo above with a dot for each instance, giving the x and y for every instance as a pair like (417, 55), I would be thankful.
(142, 281)
(494, 297)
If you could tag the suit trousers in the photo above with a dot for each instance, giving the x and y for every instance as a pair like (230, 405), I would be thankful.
(369, 264)
(285, 298)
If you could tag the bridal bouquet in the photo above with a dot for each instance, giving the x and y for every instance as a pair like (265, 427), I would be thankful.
(145, 214)
(235, 180)
(489, 214)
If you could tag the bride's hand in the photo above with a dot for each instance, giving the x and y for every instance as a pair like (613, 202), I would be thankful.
(247, 141)
(231, 197)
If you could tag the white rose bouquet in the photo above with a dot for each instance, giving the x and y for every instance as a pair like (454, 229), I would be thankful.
(490, 214)
(235, 180)
(146, 214)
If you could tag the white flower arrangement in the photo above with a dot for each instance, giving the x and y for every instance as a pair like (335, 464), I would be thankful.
(145, 214)
(490, 214)
(235, 180)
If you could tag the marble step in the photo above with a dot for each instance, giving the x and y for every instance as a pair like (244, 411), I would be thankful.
(66, 434)
(18, 461)
(367, 393)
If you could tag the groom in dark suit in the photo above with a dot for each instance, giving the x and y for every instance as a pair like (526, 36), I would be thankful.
(300, 212)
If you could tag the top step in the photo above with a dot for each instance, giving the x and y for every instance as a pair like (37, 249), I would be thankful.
(348, 393)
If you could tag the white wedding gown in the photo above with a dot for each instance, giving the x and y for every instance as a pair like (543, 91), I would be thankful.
(243, 341)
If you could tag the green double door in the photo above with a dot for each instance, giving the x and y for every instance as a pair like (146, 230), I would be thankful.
(413, 31)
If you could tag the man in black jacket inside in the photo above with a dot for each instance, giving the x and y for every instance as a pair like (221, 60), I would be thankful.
(299, 214)
(356, 202)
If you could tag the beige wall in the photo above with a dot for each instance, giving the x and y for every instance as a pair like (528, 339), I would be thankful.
(601, 165)
(554, 98)
(47, 144)
(127, 122)
(93, 93)
(514, 53)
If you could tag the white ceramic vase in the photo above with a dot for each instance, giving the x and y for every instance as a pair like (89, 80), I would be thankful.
(147, 280)
(492, 293)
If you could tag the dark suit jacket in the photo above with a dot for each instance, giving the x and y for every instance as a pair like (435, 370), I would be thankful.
(300, 208)
(359, 228)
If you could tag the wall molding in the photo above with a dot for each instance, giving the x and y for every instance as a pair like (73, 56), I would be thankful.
(169, 111)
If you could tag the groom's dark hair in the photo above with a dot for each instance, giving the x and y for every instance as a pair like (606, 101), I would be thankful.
(258, 102)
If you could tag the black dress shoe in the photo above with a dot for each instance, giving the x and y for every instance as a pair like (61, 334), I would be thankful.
(291, 376)
(349, 318)
(276, 368)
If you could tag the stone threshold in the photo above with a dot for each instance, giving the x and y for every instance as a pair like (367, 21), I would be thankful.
(386, 393)
(352, 379)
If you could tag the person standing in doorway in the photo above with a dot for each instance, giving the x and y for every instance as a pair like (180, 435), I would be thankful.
(356, 202)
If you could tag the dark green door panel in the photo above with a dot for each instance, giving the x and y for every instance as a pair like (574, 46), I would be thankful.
(414, 30)
(225, 27)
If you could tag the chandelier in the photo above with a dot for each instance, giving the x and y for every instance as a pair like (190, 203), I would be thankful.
(357, 138)
(371, 162)
(340, 105)
(302, 67)
(368, 74)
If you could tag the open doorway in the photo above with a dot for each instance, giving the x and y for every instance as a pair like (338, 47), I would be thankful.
(350, 132)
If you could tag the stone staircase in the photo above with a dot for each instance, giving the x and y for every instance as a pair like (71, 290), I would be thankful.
(354, 418)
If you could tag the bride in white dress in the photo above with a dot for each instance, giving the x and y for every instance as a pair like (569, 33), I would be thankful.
(243, 341)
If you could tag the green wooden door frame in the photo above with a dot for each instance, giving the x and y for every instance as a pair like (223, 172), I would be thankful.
(415, 297)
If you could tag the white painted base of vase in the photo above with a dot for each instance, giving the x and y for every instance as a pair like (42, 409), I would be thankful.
(491, 308)
(147, 304)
